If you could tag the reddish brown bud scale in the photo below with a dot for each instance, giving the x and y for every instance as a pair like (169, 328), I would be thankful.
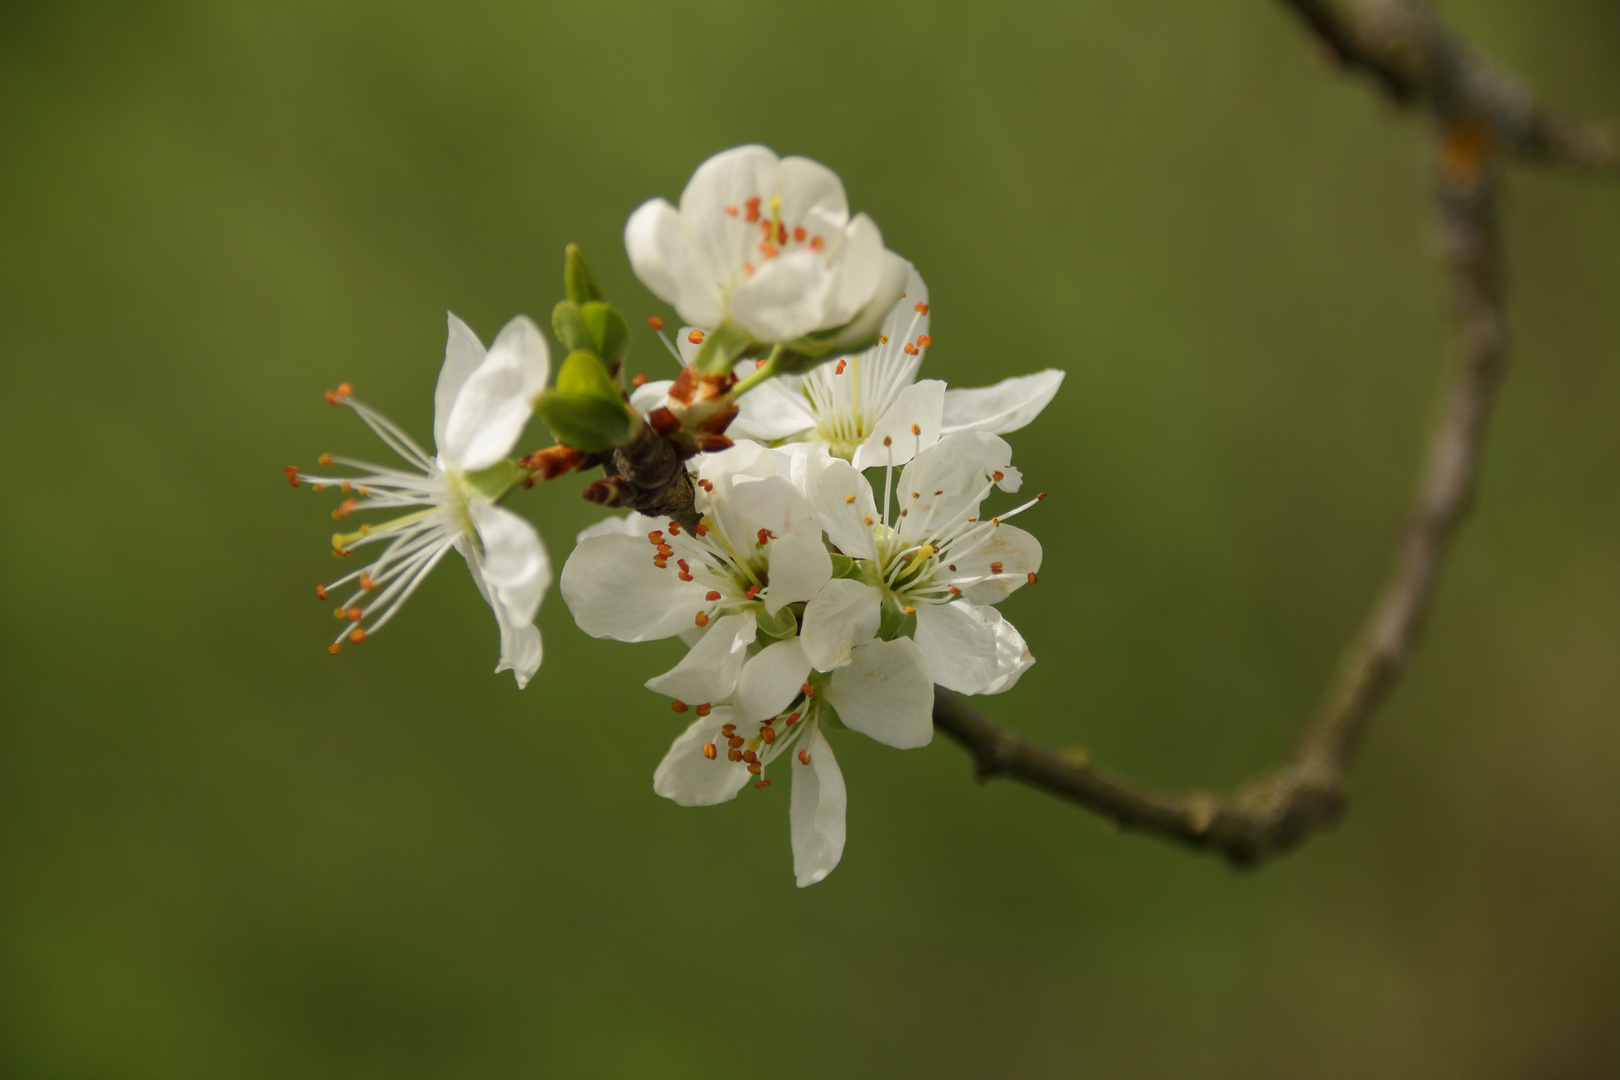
(663, 421)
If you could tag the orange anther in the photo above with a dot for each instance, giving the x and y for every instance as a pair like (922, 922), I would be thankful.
(925, 340)
(314, 487)
(325, 460)
(656, 536)
(344, 390)
(911, 350)
(354, 614)
(712, 595)
(817, 243)
(755, 768)
(762, 784)
(793, 718)
(750, 757)
(888, 440)
(346, 487)
(765, 536)
(734, 741)
(357, 635)
(804, 757)
(345, 508)
(922, 308)
(1032, 577)
(292, 475)
(702, 618)
(867, 519)
(320, 592)
(366, 583)
(338, 613)
(995, 568)
(710, 751)
(838, 368)
(768, 734)
(733, 754)
(998, 476)
(678, 705)
(1041, 496)
(910, 610)
(655, 322)
(849, 498)
(727, 729)
(334, 648)
(638, 379)
(703, 710)
(883, 339)
(702, 529)
(807, 690)
(954, 591)
(753, 208)
(798, 234)
(750, 592)
(916, 430)
(695, 337)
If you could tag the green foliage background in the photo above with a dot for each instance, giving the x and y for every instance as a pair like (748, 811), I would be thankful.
(223, 853)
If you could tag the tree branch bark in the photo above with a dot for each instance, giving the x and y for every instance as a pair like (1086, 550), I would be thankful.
(1480, 118)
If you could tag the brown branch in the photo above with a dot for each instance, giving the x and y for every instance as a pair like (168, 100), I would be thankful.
(1278, 810)
(1416, 60)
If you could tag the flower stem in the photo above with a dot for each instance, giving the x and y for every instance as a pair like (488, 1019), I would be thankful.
(764, 371)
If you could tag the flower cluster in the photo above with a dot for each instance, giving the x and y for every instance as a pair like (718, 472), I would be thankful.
(830, 561)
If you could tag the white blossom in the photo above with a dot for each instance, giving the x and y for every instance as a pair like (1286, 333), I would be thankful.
(767, 245)
(481, 405)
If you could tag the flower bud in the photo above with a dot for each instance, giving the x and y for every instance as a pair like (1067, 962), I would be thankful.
(585, 410)
(578, 280)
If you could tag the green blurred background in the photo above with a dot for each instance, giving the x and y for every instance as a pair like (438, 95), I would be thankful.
(227, 854)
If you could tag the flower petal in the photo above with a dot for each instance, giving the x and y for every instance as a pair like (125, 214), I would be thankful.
(615, 591)
(691, 779)
(463, 352)
(845, 519)
(911, 425)
(812, 197)
(785, 298)
(709, 671)
(843, 615)
(497, 399)
(661, 255)
(726, 181)
(1015, 554)
(889, 290)
(817, 810)
(768, 413)
(960, 646)
(770, 681)
(513, 572)
(1013, 657)
(943, 486)
(859, 266)
(886, 692)
(649, 396)
(800, 566)
(630, 524)
(1006, 406)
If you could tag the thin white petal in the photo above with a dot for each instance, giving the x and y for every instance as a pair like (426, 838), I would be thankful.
(1014, 554)
(847, 521)
(770, 412)
(662, 257)
(691, 779)
(785, 298)
(709, 671)
(960, 646)
(512, 572)
(843, 615)
(497, 399)
(800, 566)
(886, 693)
(1006, 406)
(631, 524)
(770, 681)
(463, 352)
(649, 396)
(817, 811)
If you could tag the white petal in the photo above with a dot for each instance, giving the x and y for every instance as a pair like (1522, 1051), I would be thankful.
(918, 407)
(496, 400)
(463, 352)
(615, 591)
(800, 566)
(844, 519)
(860, 265)
(709, 671)
(887, 293)
(662, 257)
(726, 181)
(1017, 552)
(513, 573)
(960, 646)
(886, 693)
(770, 681)
(691, 779)
(1006, 406)
(649, 396)
(1013, 657)
(812, 197)
(786, 297)
(817, 811)
(957, 468)
(842, 616)
(770, 412)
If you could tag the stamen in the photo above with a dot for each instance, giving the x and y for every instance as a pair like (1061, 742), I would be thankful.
(354, 614)
(638, 380)
(733, 754)
(712, 595)
(679, 705)
(761, 783)
(654, 321)
(702, 618)
(703, 710)
(921, 308)
(807, 690)
(793, 718)
(804, 757)
(695, 337)
(768, 734)
(1032, 577)
(345, 508)
(755, 768)
(292, 474)
(925, 340)
(320, 592)
(334, 648)
(710, 751)
(849, 498)
(357, 635)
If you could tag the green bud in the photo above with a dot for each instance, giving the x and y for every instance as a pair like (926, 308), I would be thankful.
(585, 411)
(609, 333)
(578, 281)
(720, 350)
(568, 323)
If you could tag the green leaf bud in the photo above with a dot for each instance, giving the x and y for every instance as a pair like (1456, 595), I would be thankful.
(585, 410)
(578, 281)
(609, 333)
(568, 323)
